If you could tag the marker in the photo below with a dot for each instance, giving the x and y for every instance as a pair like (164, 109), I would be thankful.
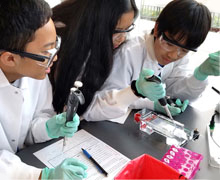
(94, 162)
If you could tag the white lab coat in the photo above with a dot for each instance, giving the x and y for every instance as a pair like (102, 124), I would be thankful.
(25, 106)
(115, 97)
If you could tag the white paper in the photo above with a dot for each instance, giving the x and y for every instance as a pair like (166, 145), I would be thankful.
(110, 159)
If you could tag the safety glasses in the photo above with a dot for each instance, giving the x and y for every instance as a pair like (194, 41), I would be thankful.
(53, 52)
(130, 28)
(170, 45)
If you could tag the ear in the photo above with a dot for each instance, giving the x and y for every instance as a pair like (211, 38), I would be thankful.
(9, 59)
(156, 29)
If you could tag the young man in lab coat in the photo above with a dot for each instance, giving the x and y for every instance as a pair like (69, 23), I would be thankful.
(181, 27)
(28, 47)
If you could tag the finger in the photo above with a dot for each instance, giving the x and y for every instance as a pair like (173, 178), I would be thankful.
(76, 118)
(215, 55)
(76, 162)
(72, 124)
(77, 171)
(174, 110)
(60, 119)
(185, 104)
(155, 97)
(158, 90)
(160, 94)
(216, 68)
(214, 62)
(68, 132)
(147, 72)
(178, 102)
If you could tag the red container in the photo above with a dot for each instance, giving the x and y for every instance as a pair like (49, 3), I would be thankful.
(147, 167)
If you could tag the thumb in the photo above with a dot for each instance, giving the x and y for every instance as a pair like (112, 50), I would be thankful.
(146, 73)
(76, 118)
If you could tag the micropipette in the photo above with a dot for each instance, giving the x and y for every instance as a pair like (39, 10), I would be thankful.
(75, 97)
(162, 101)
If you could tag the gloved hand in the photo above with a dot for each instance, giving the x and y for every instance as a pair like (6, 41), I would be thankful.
(56, 126)
(175, 109)
(69, 169)
(210, 66)
(151, 90)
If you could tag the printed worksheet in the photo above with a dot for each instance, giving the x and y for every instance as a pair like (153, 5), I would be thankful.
(110, 159)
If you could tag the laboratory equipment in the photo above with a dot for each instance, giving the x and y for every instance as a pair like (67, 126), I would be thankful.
(147, 167)
(162, 101)
(175, 132)
(183, 161)
(213, 133)
(75, 98)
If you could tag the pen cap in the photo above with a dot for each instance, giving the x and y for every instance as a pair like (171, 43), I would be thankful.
(86, 153)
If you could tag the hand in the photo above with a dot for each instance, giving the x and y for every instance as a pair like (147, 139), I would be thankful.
(210, 66)
(57, 127)
(175, 109)
(69, 169)
(151, 90)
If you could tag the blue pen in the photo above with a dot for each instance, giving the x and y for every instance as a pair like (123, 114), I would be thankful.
(94, 161)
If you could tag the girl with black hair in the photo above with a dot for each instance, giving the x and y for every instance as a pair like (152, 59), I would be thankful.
(87, 29)
(91, 33)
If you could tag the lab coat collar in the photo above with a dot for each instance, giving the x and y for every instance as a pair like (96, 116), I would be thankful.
(150, 46)
(3, 80)
(149, 39)
(22, 84)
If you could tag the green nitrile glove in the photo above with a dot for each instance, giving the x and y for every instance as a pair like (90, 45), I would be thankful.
(175, 109)
(151, 90)
(56, 126)
(69, 169)
(210, 66)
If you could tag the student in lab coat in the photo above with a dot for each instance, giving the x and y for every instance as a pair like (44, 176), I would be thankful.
(28, 48)
(181, 27)
(91, 32)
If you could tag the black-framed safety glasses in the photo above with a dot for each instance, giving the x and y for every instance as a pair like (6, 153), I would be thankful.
(130, 28)
(53, 52)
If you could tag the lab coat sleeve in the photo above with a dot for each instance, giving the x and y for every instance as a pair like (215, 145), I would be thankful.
(11, 167)
(116, 96)
(44, 111)
(107, 105)
(182, 84)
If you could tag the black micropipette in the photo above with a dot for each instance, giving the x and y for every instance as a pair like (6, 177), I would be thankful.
(75, 97)
(162, 101)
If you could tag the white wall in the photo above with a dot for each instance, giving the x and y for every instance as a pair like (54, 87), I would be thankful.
(53, 3)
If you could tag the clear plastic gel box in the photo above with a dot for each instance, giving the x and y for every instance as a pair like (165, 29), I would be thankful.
(175, 132)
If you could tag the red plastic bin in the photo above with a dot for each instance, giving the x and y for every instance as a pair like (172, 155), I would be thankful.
(147, 167)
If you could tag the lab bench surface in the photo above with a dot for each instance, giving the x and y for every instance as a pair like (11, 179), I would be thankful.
(130, 141)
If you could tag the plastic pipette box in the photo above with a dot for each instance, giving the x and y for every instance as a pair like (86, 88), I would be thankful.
(183, 160)
(174, 131)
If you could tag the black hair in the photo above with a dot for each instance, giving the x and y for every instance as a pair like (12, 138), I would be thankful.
(86, 46)
(186, 19)
(19, 19)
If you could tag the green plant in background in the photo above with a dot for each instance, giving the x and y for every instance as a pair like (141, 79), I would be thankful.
(152, 12)
(216, 20)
